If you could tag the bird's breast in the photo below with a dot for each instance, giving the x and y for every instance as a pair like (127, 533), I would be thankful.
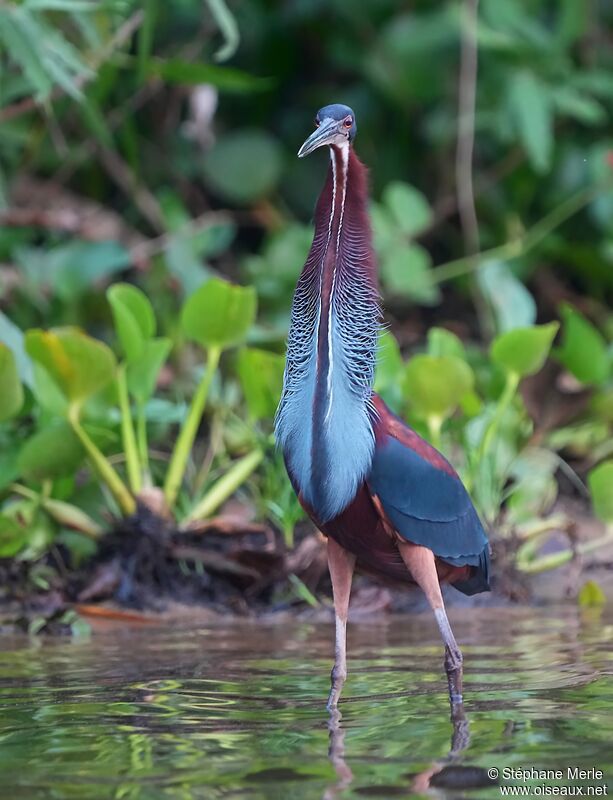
(324, 419)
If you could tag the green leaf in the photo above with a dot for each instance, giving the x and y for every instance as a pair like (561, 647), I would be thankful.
(261, 376)
(219, 314)
(71, 516)
(389, 361)
(442, 342)
(574, 103)
(11, 390)
(600, 481)
(47, 393)
(512, 303)
(591, 595)
(534, 488)
(244, 166)
(408, 206)
(13, 338)
(77, 363)
(435, 384)
(23, 50)
(79, 265)
(13, 537)
(133, 316)
(53, 452)
(406, 271)
(523, 350)
(583, 350)
(390, 370)
(143, 373)
(529, 104)
(226, 79)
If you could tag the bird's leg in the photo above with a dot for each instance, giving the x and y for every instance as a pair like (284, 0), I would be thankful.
(420, 563)
(341, 564)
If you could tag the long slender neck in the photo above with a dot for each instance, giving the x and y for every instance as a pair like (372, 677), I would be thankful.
(347, 272)
(324, 423)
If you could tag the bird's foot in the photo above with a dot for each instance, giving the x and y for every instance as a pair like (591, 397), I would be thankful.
(454, 670)
(337, 679)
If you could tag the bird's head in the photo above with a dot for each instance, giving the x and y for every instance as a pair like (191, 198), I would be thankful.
(335, 126)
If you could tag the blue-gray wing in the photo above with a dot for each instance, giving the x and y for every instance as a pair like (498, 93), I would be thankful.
(427, 503)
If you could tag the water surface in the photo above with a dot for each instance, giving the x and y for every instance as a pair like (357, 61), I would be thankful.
(142, 712)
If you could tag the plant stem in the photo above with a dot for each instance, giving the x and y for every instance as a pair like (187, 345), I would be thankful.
(127, 433)
(435, 423)
(555, 560)
(503, 403)
(288, 535)
(107, 474)
(187, 434)
(523, 244)
(225, 486)
(143, 444)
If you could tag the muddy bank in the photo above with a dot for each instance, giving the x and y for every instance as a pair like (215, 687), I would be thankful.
(146, 569)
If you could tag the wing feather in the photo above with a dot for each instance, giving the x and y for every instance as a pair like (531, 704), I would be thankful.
(425, 500)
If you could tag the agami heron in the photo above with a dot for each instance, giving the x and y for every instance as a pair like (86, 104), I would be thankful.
(389, 503)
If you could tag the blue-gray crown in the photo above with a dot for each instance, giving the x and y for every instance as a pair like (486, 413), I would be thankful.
(337, 111)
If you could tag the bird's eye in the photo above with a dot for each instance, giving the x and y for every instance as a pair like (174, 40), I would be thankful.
(348, 122)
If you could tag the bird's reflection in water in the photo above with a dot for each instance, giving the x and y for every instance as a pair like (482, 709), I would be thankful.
(440, 775)
(336, 754)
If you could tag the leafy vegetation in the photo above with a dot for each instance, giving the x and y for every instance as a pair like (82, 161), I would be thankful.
(154, 221)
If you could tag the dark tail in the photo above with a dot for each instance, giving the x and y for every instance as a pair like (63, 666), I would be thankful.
(479, 580)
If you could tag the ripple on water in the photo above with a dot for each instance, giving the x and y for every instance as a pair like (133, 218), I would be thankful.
(238, 711)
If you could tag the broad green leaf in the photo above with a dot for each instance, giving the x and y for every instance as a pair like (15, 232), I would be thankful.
(434, 384)
(273, 273)
(79, 265)
(529, 103)
(244, 166)
(53, 452)
(389, 361)
(13, 537)
(408, 207)
(8, 465)
(261, 377)
(143, 373)
(591, 595)
(405, 270)
(600, 481)
(523, 351)
(512, 303)
(133, 316)
(77, 363)
(384, 230)
(219, 314)
(534, 488)
(47, 393)
(442, 342)
(583, 350)
(13, 338)
(11, 390)
(390, 371)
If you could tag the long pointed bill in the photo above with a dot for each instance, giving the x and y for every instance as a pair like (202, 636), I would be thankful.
(325, 134)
